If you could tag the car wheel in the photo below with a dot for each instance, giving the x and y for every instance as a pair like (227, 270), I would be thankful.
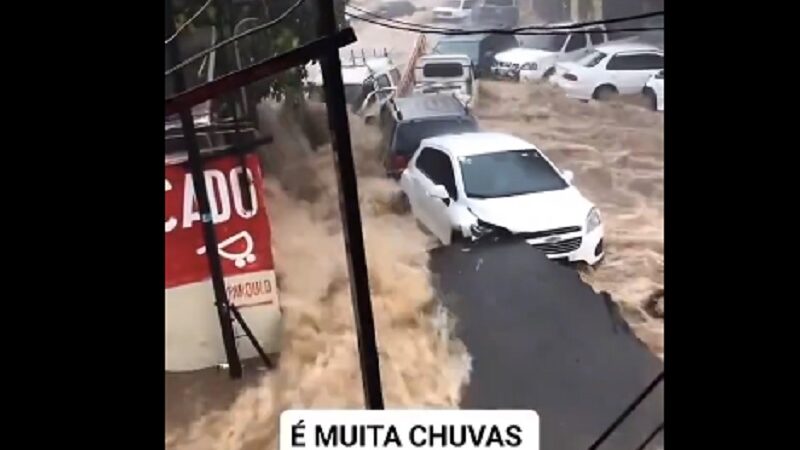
(605, 93)
(549, 73)
(652, 101)
(401, 204)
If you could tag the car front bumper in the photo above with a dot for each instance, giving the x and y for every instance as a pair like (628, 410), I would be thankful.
(589, 250)
(572, 89)
(505, 72)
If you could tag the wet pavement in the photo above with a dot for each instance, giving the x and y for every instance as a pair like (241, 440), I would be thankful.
(542, 339)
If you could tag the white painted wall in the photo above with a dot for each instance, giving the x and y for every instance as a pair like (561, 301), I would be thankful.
(193, 337)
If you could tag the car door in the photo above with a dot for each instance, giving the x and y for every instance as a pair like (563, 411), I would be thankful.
(630, 71)
(433, 167)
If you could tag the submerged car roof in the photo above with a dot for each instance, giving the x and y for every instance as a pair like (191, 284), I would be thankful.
(478, 143)
(626, 46)
(421, 106)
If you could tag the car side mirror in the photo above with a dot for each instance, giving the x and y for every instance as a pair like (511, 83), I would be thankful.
(439, 192)
(569, 176)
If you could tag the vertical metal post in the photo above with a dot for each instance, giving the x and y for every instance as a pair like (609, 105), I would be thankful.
(209, 235)
(226, 61)
(350, 211)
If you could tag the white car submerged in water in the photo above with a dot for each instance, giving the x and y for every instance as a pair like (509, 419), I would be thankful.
(654, 91)
(476, 185)
(537, 55)
(612, 69)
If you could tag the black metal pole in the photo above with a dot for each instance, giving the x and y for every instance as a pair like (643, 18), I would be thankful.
(627, 411)
(350, 211)
(228, 62)
(249, 333)
(209, 235)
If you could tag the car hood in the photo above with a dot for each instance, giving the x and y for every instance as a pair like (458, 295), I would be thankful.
(534, 212)
(523, 55)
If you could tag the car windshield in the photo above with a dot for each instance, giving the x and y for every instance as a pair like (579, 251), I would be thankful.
(453, 4)
(541, 42)
(409, 134)
(592, 59)
(443, 70)
(458, 48)
(509, 173)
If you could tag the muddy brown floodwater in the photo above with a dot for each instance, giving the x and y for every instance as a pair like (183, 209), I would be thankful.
(421, 364)
(616, 151)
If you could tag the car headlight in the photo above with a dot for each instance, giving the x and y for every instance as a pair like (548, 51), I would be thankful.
(593, 220)
(479, 229)
(530, 66)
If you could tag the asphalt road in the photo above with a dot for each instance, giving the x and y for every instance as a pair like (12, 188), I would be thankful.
(542, 339)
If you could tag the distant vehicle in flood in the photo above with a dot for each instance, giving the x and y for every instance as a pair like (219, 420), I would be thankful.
(405, 121)
(480, 48)
(495, 13)
(654, 91)
(612, 69)
(453, 11)
(537, 55)
(446, 74)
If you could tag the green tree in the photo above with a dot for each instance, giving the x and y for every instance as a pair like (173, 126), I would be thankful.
(300, 27)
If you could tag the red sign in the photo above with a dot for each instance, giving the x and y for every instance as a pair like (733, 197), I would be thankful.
(242, 229)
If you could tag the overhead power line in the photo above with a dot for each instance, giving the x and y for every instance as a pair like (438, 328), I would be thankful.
(233, 38)
(452, 30)
(518, 31)
(186, 24)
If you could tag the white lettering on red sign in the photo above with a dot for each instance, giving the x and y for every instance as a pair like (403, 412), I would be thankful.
(243, 233)
(222, 200)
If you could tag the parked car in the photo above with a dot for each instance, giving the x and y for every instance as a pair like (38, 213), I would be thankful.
(453, 11)
(405, 121)
(537, 55)
(475, 185)
(495, 13)
(481, 48)
(612, 69)
(654, 91)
